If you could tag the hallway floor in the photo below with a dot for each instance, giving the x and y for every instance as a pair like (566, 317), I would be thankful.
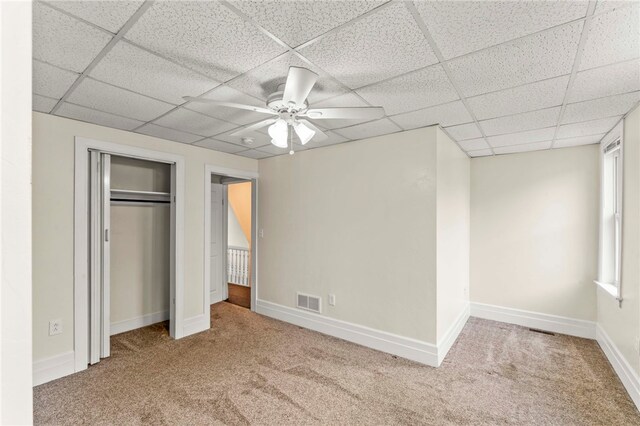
(250, 369)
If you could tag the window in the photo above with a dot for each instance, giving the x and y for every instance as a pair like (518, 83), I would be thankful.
(611, 214)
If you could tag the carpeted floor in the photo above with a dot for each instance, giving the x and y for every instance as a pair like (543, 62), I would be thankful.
(249, 369)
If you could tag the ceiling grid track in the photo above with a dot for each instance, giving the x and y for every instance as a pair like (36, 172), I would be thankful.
(576, 67)
(132, 20)
(436, 50)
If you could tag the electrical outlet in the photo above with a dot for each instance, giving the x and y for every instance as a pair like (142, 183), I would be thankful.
(262, 233)
(55, 327)
(465, 292)
(332, 300)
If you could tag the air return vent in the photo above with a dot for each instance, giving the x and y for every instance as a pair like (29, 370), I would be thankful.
(308, 302)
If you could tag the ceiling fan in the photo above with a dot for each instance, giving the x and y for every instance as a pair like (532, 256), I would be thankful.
(289, 109)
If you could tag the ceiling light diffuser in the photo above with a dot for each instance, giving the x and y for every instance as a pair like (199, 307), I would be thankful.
(279, 132)
(304, 133)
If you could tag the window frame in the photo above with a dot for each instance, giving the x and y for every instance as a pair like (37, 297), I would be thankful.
(615, 136)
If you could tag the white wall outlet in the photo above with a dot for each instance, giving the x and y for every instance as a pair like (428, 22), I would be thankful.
(262, 233)
(465, 292)
(332, 300)
(55, 327)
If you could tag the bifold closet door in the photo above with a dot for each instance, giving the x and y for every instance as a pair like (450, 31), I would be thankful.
(100, 223)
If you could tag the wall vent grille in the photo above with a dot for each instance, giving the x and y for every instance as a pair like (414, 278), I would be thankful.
(309, 302)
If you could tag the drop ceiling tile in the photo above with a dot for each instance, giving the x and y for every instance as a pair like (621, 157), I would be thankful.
(64, 41)
(582, 140)
(448, 114)
(368, 130)
(274, 150)
(295, 22)
(169, 134)
(530, 97)
(605, 5)
(51, 81)
(612, 37)
(480, 153)
(43, 103)
(255, 154)
(521, 122)
(382, 45)
(333, 139)
(217, 145)
(460, 27)
(110, 15)
(204, 36)
(419, 89)
(520, 138)
(140, 71)
(348, 100)
(193, 122)
(264, 80)
(104, 97)
(600, 108)
(538, 146)
(474, 144)
(605, 81)
(81, 113)
(587, 128)
(464, 131)
(233, 115)
(534, 58)
(254, 139)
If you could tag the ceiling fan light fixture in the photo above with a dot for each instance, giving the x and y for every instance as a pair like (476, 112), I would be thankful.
(279, 132)
(304, 133)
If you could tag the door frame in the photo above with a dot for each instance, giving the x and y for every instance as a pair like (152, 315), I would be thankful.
(81, 238)
(210, 169)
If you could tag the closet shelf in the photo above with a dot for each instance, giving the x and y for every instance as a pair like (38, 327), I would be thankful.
(127, 195)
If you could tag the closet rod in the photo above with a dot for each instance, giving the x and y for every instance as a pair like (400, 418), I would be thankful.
(126, 195)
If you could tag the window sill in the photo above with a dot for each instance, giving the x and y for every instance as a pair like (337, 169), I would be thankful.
(609, 288)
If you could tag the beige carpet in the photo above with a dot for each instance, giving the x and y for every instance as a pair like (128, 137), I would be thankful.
(250, 369)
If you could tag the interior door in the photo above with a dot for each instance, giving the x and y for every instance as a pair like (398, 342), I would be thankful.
(216, 253)
(99, 304)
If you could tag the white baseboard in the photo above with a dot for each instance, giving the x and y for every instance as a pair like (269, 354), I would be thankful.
(138, 322)
(195, 324)
(53, 368)
(546, 322)
(214, 297)
(452, 334)
(405, 347)
(625, 372)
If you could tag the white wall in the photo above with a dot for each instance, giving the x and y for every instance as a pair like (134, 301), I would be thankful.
(622, 323)
(357, 220)
(453, 232)
(140, 243)
(235, 235)
(53, 163)
(534, 231)
(15, 213)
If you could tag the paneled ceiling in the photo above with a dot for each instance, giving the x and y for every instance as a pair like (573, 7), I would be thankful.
(499, 77)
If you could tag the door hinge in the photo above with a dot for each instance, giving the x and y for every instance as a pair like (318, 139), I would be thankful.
(106, 235)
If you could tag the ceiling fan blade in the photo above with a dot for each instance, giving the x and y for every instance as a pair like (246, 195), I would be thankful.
(300, 81)
(230, 105)
(256, 126)
(345, 113)
(320, 135)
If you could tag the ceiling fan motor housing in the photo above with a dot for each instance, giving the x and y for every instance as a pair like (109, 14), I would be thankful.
(274, 102)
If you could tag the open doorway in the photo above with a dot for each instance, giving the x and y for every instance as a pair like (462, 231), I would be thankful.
(230, 238)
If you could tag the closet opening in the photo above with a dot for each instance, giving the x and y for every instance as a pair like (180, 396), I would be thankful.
(128, 236)
(230, 236)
